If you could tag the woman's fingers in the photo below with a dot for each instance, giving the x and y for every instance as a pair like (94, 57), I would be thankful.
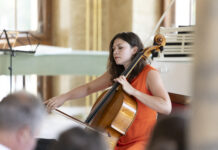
(121, 79)
(46, 102)
(50, 105)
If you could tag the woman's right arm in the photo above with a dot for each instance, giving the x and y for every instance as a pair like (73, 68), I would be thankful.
(100, 83)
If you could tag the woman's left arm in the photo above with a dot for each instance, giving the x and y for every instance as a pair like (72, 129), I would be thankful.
(159, 101)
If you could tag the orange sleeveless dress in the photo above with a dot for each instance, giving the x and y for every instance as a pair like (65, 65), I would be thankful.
(138, 134)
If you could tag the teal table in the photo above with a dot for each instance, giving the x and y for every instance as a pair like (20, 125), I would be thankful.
(50, 60)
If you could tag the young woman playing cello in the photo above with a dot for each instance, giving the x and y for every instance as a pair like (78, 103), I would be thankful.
(144, 84)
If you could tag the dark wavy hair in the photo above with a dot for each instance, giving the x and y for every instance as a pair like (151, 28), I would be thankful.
(134, 41)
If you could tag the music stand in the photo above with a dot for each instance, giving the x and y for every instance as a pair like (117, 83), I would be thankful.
(13, 52)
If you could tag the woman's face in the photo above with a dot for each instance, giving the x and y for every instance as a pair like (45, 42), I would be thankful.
(123, 52)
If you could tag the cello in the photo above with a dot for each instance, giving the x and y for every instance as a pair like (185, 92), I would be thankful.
(114, 111)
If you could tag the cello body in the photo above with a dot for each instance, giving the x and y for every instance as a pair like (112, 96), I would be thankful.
(115, 117)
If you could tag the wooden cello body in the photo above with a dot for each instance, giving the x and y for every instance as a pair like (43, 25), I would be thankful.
(115, 117)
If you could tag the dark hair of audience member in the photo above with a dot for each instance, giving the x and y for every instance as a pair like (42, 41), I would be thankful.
(80, 139)
(169, 134)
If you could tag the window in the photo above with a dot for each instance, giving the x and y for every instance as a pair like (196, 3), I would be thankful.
(19, 15)
(185, 12)
(25, 15)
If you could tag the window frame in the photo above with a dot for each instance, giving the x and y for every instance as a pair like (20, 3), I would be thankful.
(43, 34)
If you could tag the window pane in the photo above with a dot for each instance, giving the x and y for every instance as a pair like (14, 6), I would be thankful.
(182, 12)
(26, 18)
(7, 14)
(27, 15)
(193, 12)
(185, 12)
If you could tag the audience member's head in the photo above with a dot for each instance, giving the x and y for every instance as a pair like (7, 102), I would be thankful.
(80, 139)
(20, 116)
(169, 134)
